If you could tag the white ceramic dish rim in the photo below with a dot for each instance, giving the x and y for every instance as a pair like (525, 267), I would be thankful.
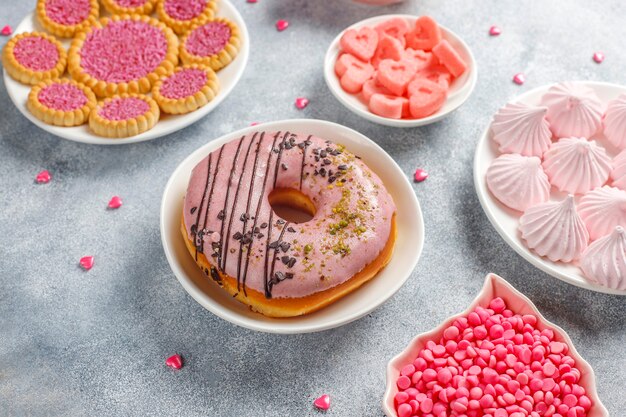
(275, 326)
(238, 65)
(460, 95)
(492, 282)
(487, 201)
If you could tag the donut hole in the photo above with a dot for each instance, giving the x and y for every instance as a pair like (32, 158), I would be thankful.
(291, 205)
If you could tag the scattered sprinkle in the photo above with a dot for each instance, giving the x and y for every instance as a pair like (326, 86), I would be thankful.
(420, 175)
(252, 1)
(519, 78)
(282, 25)
(494, 31)
(302, 102)
(255, 123)
(323, 402)
(43, 177)
(86, 262)
(598, 57)
(6, 31)
(115, 202)
(174, 361)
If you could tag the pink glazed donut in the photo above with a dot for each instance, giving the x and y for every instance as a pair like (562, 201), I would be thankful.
(278, 267)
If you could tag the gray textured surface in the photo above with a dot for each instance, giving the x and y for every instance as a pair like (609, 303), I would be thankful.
(93, 343)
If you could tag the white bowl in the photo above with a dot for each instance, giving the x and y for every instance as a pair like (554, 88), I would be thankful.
(506, 221)
(228, 78)
(459, 92)
(407, 250)
(494, 286)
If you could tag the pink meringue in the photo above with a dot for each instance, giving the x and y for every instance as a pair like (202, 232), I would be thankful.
(554, 230)
(602, 209)
(576, 165)
(518, 181)
(604, 261)
(573, 110)
(618, 174)
(615, 122)
(523, 129)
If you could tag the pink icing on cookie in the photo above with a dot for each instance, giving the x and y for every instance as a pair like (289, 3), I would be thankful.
(130, 3)
(183, 83)
(65, 97)
(208, 39)
(123, 51)
(36, 53)
(184, 9)
(68, 12)
(124, 108)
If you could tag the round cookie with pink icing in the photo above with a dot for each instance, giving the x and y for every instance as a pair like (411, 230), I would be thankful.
(182, 15)
(65, 18)
(187, 89)
(61, 102)
(33, 57)
(129, 6)
(124, 115)
(214, 44)
(123, 54)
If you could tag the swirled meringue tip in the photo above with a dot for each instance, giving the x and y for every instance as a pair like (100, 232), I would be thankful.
(555, 230)
(618, 174)
(602, 210)
(521, 128)
(518, 181)
(576, 165)
(614, 122)
(573, 110)
(604, 261)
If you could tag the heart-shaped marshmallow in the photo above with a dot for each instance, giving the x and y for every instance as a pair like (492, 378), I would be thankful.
(425, 35)
(396, 28)
(425, 97)
(371, 87)
(387, 106)
(388, 48)
(362, 43)
(450, 58)
(356, 74)
(395, 75)
(423, 59)
(437, 73)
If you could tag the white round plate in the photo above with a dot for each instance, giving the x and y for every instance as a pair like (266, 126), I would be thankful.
(506, 220)
(228, 78)
(407, 250)
(459, 92)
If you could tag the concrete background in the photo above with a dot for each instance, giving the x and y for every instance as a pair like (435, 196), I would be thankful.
(94, 343)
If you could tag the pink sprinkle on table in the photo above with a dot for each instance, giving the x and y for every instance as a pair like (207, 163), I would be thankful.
(86, 262)
(252, 1)
(282, 25)
(494, 31)
(43, 177)
(302, 102)
(115, 202)
(598, 57)
(6, 31)
(174, 361)
(255, 123)
(323, 402)
(420, 175)
(519, 78)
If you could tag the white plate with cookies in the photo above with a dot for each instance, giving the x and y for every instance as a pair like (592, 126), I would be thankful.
(228, 77)
(407, 250)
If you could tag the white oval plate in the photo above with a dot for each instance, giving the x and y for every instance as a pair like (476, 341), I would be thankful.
(228, 78)
(459, 92)
(407, 249)
(506, 221)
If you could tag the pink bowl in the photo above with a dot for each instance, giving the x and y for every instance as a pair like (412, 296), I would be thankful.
(494, 286)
